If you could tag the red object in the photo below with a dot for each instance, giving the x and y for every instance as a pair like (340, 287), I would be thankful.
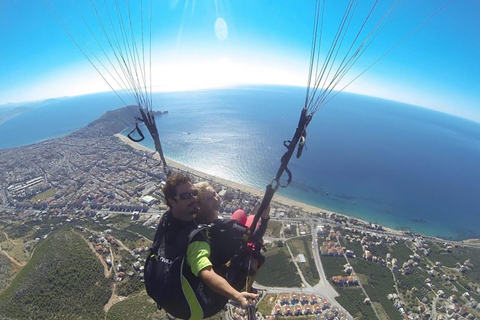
(249, 220)
(240, 216)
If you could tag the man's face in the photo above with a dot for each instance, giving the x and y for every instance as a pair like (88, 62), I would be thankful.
(184, 206)
(209, 203)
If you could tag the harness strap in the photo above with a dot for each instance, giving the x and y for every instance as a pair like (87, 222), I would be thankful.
(290, 145)
(136, 129)
(251, 310)
(149, 119)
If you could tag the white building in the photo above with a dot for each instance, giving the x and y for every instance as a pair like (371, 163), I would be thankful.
(149, 200)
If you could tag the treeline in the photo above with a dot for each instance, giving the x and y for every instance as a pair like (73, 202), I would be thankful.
(63, 280)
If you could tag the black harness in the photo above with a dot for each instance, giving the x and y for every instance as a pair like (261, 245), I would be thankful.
(166, 267)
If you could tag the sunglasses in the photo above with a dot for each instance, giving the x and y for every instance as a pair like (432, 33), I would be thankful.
(186, 195)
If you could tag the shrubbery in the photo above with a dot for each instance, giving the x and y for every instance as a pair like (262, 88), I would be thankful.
(63, 280)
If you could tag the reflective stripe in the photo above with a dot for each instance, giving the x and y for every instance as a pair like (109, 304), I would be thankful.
(196, 311)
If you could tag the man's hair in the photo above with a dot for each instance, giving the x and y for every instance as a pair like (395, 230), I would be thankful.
(176, 179)
(201, 187)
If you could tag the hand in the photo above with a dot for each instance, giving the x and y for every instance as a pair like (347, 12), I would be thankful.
(244, 298)
(266, 213)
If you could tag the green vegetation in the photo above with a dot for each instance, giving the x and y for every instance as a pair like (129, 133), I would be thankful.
(44, 195)
(6, 272)
(274, 228)
(377, 280)
(31, 229)
(130, 286)
(381, 311)
(148, 233)
(44, 226)
(380, 250)
(451, 261)
(129, 239)
(309, 269)
(351, 298)
(16, 231)
(333, 266)
(438, 253)
(278, 269)
(379, 284)
(354, 246)
(267, 303)
(458, 255)
(401, 251)
(136, 307)
(63, 280)
(120, 221)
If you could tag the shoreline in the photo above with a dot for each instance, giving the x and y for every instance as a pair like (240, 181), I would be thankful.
(281, 199)
(8, 118)
(247, 189)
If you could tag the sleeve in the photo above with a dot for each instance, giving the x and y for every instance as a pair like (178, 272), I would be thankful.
(198, 253)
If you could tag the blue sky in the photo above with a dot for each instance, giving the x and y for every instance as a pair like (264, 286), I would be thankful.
(207, 43)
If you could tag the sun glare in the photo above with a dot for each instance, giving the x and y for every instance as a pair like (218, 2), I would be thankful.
(221, 29)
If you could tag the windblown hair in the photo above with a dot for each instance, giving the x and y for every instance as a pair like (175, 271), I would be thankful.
(201, 187)
(176, 179)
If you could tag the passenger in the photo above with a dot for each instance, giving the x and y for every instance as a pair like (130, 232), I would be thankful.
(209, 203)
(186, 296)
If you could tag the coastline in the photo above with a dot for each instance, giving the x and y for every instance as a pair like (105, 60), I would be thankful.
(234, 185)
(281, 199)
(8, 118)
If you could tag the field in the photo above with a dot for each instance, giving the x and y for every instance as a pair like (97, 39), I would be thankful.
(309, 270)
(44, 195)
(274, 228)
(278, 269)
(266, 304)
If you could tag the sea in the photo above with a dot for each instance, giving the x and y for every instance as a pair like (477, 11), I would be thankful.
(398, 165)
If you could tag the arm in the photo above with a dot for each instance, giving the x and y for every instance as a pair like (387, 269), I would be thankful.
(221, 286)
(197, 258)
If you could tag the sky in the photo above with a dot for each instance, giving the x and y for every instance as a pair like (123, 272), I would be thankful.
(213, 43)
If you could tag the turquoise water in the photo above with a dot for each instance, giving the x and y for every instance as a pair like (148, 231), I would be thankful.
(382, 161)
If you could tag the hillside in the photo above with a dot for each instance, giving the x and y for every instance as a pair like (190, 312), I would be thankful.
(111, 122)
(62, 280)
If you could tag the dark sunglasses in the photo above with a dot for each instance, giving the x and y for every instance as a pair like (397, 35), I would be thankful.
(186, 195)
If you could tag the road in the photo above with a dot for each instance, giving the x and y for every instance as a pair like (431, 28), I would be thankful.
(323, 288)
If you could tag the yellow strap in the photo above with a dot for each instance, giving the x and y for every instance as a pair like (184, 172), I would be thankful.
(196, 312)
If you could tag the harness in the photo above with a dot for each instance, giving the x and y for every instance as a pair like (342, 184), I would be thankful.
(169, 280)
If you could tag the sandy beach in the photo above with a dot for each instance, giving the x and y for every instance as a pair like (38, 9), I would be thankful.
(230, 184)
(257, 192)
(224, 182)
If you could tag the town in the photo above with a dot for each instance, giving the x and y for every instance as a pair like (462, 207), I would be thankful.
(345, 268)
